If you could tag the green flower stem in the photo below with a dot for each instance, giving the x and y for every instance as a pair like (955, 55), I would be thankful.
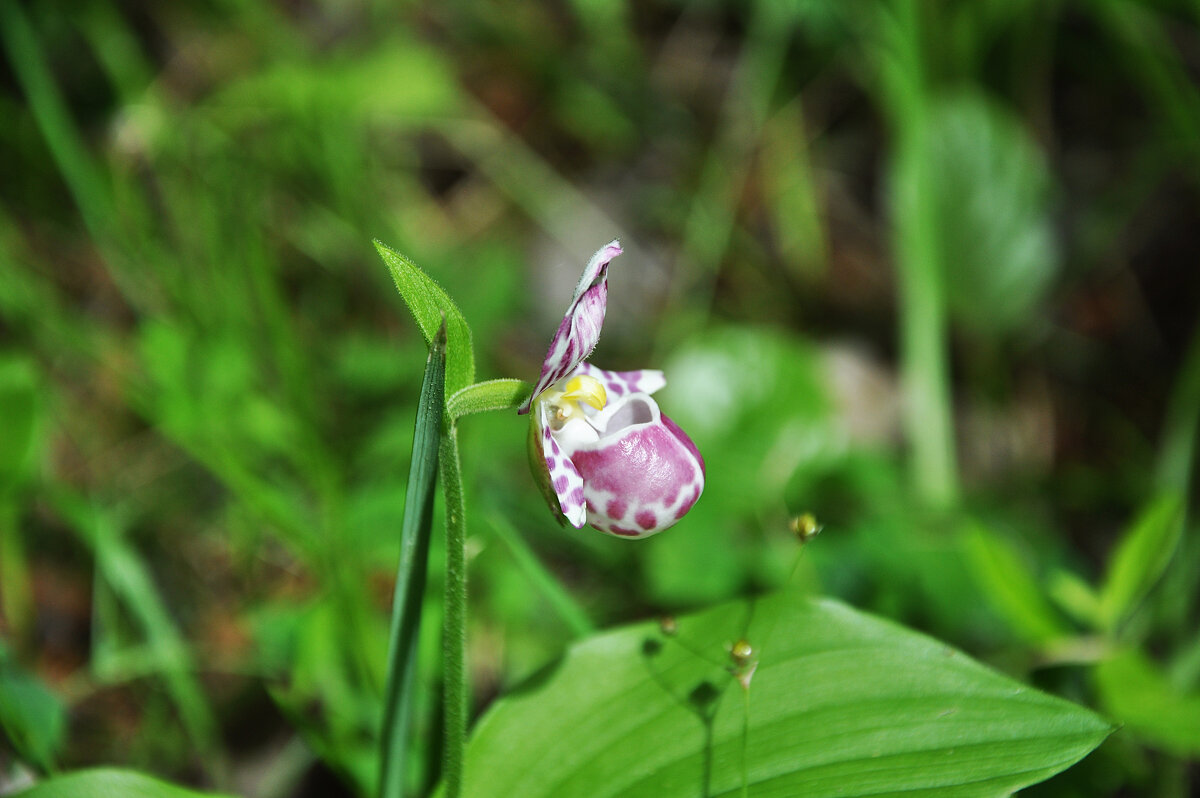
(454, 634)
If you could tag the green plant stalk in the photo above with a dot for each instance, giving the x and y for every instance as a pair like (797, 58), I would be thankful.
(454, 634)
(927, 410)
(550, 588)
(415, 532)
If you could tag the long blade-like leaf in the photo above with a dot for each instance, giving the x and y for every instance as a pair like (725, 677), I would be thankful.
(410, 575)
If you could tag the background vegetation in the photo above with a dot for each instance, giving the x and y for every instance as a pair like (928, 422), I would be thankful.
(924, 269)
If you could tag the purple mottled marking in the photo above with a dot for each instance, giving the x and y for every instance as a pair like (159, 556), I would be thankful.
(629, 533)
(641, 466)
(591, 507)
(648, 474)
(577, 496)
(546, 433)
(560, 485)
(551, 463)
(615, 389)
(687, 504)
(685, 440)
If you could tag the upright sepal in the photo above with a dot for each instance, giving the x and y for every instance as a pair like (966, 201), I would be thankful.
(580, 328)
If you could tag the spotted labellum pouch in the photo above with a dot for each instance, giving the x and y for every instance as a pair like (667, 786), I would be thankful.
(599, 447)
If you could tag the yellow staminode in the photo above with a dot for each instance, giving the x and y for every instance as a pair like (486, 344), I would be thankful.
(589, 390)
(563, 399)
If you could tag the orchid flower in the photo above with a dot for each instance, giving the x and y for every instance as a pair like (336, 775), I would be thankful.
(600, 449)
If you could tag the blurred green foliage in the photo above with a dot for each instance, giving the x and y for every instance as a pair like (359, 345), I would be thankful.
(926, 270)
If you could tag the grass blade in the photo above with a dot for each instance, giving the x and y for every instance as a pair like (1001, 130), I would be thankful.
(557, 597)
(410, 575)
(83, 178)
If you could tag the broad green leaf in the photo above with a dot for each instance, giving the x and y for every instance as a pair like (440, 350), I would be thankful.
(109, 783)
(428, 303)
(31, 717)
(415, 532)
(1135, 693)
(840, 704)
(1010, 586)
(1140, 559)
(996, 243)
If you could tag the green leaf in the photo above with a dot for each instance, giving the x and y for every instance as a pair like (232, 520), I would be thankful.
(428, 303)
(1010, 586)
(31, 717)
(415, 532)
(506, 394)
(125, 571)
(1074, 596)
(399, 82)
(991, 197)
(109, 783)
(1140, 559)
(20, 408)
(1136, 693)
(840, 704)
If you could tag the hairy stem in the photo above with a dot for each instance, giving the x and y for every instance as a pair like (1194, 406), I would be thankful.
(454, 635)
